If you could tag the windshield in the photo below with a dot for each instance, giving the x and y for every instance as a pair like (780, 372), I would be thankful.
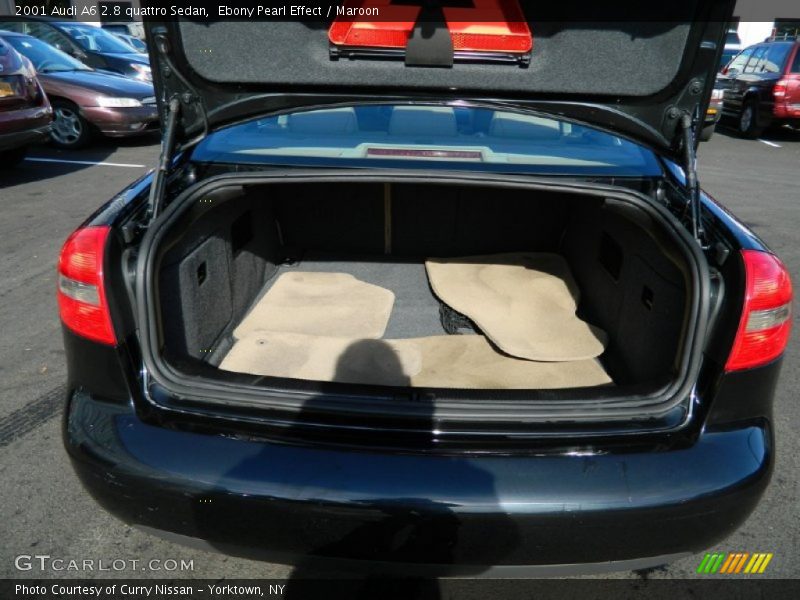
(45, 58)
(95, 39)
(445, 137)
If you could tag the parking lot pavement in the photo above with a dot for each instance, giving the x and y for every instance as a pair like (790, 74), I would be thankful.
(44, 510)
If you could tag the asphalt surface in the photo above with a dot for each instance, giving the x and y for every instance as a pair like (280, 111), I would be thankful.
(43, 509)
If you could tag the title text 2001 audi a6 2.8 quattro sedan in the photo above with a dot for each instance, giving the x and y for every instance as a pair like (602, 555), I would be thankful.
(460, 304)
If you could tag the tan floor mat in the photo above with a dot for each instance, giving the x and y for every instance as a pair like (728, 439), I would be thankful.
(319, 358)
(451, 361)
(524, 302)
(328, 304)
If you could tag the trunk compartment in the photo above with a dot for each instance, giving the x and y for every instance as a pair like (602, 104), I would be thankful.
(219, 250)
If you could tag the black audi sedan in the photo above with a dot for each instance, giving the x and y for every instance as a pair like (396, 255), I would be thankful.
(453, 307)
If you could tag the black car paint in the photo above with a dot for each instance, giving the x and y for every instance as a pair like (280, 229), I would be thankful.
(255, 489)
(257, 498)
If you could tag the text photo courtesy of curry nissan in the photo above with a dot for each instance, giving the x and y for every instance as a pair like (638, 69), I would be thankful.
(421, 287)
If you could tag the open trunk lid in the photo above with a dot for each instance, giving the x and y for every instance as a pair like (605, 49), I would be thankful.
(635, 78)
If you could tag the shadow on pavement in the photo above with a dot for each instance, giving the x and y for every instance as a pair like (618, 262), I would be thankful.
(37, 165)
(778, 135)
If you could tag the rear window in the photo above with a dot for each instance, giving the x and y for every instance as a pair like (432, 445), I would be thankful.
(451, 137)
(753, 65)
(775, 58)
(741, 59)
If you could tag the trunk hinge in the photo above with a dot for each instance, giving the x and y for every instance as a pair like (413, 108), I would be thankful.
(689, 128)
(165, 160)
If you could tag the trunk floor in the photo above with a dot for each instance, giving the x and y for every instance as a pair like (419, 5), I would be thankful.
(444, 361)
(416, 309)
(415, 349)
(314, 303)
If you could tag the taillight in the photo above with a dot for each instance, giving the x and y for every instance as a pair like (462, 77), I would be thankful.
(81, 296)
(767, 314)
(779, 91)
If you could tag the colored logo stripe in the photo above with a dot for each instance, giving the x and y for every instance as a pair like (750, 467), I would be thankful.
(734, 562)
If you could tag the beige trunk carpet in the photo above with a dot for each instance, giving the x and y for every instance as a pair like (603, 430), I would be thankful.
(524, 302)
(449, 361)
(327, 304)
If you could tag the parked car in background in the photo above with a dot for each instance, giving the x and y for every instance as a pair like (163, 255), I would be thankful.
(134, 42)
(94, 46)
(25, 113)
(84, 100)
(762, 86)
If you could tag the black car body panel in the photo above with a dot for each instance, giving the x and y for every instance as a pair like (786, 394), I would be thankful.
(271, 482)
(254, 492)
(260, 499)
(655, 71)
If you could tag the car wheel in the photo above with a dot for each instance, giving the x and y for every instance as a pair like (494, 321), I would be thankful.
(70, 129)
(707, 132)
(11, 158)
(748, 126)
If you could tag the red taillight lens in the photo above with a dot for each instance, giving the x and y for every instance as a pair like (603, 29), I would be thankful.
(779, 91)
(767, 314)
(81, 295)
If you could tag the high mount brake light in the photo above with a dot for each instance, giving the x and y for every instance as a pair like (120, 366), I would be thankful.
(766, 315)
(490, 30)
(81, 296)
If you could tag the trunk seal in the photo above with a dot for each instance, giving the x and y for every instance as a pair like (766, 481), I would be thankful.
(447, 405)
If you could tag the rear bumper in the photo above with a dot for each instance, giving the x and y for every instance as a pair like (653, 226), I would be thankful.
(20, 139)
(290, 503)
(122, 122)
